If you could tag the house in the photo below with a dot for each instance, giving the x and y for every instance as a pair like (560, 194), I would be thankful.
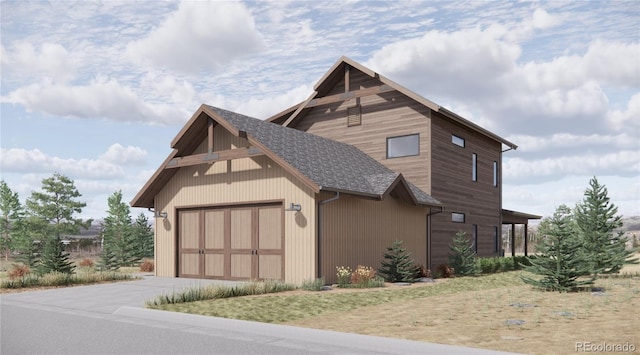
(450, 158)
(330, 182)
(242, 198)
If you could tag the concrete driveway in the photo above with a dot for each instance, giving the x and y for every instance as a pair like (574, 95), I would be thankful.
(111, 319)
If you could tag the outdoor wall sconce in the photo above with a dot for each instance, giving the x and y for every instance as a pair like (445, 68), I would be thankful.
(161, 215)
(294, 207)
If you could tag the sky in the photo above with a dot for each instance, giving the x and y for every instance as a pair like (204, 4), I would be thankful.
(97, 90)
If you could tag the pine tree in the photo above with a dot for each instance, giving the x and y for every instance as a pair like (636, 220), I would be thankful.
(397, 267)
(11, 220)
(143, 235)
(55, 208)
(560, 261)
(597, 221)
(118, 244)
(463, 256)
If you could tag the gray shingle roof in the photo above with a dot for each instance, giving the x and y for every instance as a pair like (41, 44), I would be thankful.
(332, 165)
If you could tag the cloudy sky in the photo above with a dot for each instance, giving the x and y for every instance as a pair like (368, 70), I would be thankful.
(97, 90)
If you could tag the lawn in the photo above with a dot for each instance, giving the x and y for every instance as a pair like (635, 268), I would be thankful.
(493, 312)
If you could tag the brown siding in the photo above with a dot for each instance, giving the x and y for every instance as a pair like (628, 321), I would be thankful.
(452, 185)
(239, 181)
(358, 231)
(385, 115)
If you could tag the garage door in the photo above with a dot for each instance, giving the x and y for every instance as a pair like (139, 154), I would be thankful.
(231, 243)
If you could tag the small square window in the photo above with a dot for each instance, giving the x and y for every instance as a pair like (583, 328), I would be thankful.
(403, 146)
(457, 217)
(457, 140)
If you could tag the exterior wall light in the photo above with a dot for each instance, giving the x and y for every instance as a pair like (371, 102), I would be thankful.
(160, 215)
(294, 207)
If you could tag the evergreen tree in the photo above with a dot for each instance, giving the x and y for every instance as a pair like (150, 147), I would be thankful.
(463, 256)
(11, 220)
(560, 261)
(55, 208)
(31, 241)
(143, 235)
(118, 242)
(597, 222)
(397, 267)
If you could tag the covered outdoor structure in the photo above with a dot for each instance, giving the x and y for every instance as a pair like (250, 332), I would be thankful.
(512, 218)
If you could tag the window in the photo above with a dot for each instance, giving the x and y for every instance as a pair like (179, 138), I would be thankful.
(475, 238)
(495, 173)
(496, 241)
(403, 146)
(354, 116)
(474, 167)
(457, 217)
(457, 140)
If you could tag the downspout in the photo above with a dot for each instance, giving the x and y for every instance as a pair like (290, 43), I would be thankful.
(319, 221)
(429, 234)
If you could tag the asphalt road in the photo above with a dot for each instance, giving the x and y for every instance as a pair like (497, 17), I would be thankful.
(111, 319)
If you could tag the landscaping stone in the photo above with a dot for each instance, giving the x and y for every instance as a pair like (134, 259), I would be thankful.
(509, 337)
(522, 305)
(327, 288)
(597, 289)
(402, 284)
(598, 293)
(426, 279)
(514, 322)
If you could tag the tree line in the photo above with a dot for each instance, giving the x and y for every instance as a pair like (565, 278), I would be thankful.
(34, 231)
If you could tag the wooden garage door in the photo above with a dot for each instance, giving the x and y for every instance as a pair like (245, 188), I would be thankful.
(232, 243)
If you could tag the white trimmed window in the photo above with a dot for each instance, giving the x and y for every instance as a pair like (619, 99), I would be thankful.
(457, 140)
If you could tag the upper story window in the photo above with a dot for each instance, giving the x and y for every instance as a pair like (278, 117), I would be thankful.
(457, 140)
(495, 173)
(474, 167)
(403, 146)
(457, 217)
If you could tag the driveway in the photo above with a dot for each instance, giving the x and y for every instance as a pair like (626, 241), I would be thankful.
(111, 319)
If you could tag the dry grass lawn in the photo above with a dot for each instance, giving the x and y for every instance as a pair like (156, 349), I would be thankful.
(478, 312)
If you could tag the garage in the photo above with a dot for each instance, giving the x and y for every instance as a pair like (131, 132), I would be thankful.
(232, 242)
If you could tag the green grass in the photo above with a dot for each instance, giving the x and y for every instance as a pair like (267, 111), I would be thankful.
(285, 308)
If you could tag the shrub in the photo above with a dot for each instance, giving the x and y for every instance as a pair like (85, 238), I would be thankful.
(363, 275)
(463, 256)
(313, 285)
(86, 262)
(62, 279)
(423, 272)
(344, 275)
(18, 270)
(146, 265)
(445, 271)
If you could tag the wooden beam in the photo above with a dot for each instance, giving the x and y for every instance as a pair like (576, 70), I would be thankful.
(210, 136)
(299, 109)
(349, 95)
(209, 158)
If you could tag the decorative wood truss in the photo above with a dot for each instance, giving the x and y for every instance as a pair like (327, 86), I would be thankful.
(312, 101)
(213, 156)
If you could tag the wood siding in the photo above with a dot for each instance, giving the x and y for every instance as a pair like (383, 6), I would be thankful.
(384, 115)
(357, 232)
(452, 185)
(238, 182)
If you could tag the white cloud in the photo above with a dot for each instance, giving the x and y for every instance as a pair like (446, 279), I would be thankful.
(129, 155)
(199, 36)
(562, 141)
(17, 160)
(629, 119)
(50, 60)
(102, 98)
(624, 163)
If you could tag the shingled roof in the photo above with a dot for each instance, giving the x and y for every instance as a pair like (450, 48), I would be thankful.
(330, 165)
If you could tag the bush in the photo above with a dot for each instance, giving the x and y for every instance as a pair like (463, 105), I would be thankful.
(396, 266)
(18, 270)
(363, 275)
(313, 285)
(502, 264)
(463, 257)
(423, 272)
(344, 275)
(147, 265)
(444, 271)
(86, 262)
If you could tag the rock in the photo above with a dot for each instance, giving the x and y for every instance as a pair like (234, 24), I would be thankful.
(426, 279)
(522, 305)
(402, 284)
(598, 293)
(514, 322)
(509, 337)
(564, 313)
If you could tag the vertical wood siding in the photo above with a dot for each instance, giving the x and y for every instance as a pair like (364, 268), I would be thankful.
(240, 181)
(452, 185)
(357, 232)
(385, 115)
